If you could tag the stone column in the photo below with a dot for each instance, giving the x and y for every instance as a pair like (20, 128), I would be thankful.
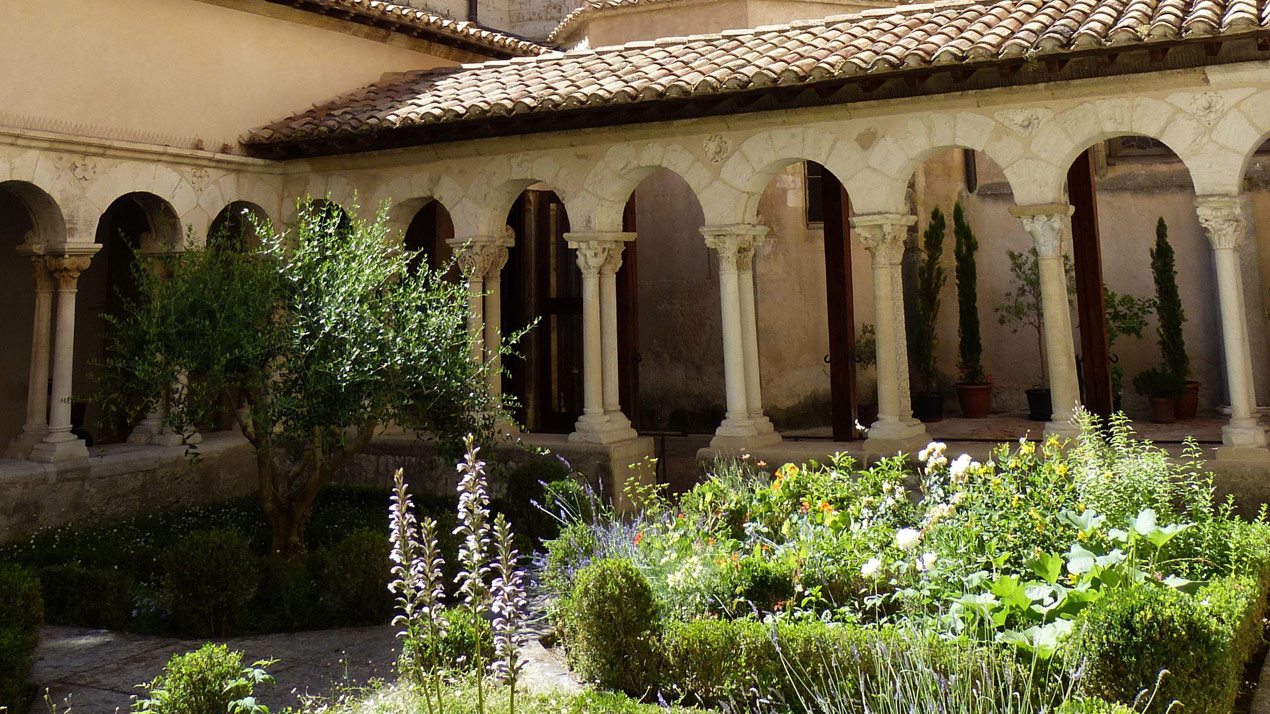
(883, 235)
(37, 396)
(599, 257)
(749, 327)
(59, 444)
(493, 313)
(1225, 221)
(1048, 227)
(476, 258)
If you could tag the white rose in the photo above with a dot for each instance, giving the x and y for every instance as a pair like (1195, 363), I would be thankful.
(959, 467)
(870, 569)
(907, 538)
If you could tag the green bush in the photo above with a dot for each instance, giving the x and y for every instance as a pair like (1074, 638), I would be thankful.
(610, 624)
(210, 680)
(527, 501)
(21, 615)
(209, 577)
(353, 578)
(86, 597)
(287, 597)
(1202, 641)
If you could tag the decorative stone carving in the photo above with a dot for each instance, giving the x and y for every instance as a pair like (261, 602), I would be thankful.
(1047, 231)
(1224, 219)
(198, 178)
(1208, 107)
(717, 148)
(477, 260)
(883, 235)
(40, 270)
(65, 269)
(1024, 122)
(595, 255)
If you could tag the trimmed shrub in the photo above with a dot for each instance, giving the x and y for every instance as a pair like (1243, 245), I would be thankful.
(1202, 641)
(21, 615)
(574, 547)
(209, 576)
(210, 680)
(86, 597)
(286, 598)
(610, 625)
(353, 578)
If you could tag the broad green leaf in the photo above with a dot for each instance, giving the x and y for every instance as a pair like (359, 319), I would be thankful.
(1047, 566)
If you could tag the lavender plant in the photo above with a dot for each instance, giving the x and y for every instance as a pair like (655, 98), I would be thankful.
(474, 529)
(508, 609)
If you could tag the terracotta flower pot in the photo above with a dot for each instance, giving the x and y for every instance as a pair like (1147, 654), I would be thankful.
(929, 407)
(1163, 410)
(974, 400)
(1040, 405)
(1188, 403)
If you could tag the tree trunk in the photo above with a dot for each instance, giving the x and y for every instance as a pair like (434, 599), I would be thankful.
(286, 528)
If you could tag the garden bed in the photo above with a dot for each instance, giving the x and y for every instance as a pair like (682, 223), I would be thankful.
(1083, 572)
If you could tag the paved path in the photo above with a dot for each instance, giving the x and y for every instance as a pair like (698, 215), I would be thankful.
(96, 671)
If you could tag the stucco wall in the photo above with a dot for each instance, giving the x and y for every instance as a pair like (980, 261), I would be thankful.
(179, 71)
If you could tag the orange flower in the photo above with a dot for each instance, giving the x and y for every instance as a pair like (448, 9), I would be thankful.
(804, 508)
(639, 537)
(826, 507)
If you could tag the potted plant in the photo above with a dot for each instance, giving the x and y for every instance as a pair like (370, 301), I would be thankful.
(1022, 308)
(974, 391)
(866, 356)
(1126, 316)
(1163, 387)
(929, 401)
(1168, 306)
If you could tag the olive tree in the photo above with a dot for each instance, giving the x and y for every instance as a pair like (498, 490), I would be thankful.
(325, 333)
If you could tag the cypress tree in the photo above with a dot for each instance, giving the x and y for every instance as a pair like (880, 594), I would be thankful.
(1168, 304)
(971, 345)
(930, 281)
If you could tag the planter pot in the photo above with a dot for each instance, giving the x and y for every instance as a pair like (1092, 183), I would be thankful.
(929, 407)
(974, 400)
(867, 414)
(1188, 403)
(1163, 410)
(1040, 407)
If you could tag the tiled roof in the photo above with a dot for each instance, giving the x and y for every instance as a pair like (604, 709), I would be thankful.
(587, 8)
(419, 23)
(875, 42)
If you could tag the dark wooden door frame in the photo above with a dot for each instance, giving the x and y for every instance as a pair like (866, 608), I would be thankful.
(840, 298)
(1090, 301)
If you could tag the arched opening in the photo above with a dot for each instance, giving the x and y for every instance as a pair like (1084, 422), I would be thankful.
(134, 223)
(236, 226)
(541, 282)
(428, 233)
(28, 215)
(1122, 189)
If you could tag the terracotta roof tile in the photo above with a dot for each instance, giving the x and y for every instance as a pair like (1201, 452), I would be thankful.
(421, 23)
(837, 47)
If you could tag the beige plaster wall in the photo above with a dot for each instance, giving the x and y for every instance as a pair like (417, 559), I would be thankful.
(177, 72)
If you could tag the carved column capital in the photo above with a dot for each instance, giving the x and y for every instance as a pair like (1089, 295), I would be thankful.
(1224, 218)
(1047, 225)
(478, 260)
(883, 234)
(599, 252)
(736, 243)
(40, 270)
(65, 269)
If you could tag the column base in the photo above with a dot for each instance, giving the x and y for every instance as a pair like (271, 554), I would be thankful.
(52, 452)
(744, 434)
(602, 429)
(146, 432)
(1061, 429)
(895, 436)
(20, 447)
(1244, 435)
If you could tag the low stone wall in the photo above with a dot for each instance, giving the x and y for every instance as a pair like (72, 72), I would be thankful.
(122, 479)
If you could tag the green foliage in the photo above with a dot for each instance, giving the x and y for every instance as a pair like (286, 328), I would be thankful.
(970, 345)
(327, 331)
(1168, 304)
(21, 616)
(1158, 382)
(210, 680)
(210, 575)
(1022, 306)
(1126, 317)
(866, 346)
(86, 597)
(354, 577)
(611, 620)
(1201, 641)
(930, 281)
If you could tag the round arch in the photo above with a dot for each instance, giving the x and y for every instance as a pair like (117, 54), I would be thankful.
(39, 210)
(235, 226)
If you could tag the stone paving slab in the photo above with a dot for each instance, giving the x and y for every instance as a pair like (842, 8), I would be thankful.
(97, 671)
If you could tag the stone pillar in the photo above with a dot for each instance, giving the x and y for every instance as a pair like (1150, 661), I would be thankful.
(734, 247)
(599, 258)
(1048, 227)
(477, 258)
(37, 397)
(59, 444)
(493, 313)
(896, 430)
(1225, 221)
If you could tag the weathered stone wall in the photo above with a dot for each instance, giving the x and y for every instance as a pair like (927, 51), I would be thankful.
(122, 480)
